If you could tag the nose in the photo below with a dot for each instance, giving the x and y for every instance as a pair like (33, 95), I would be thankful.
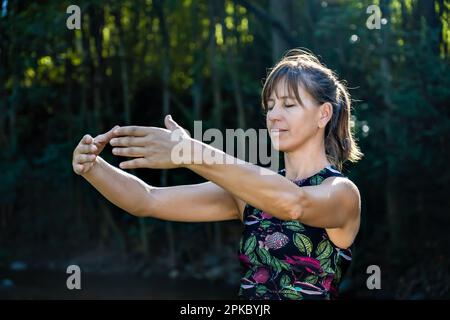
(275, 113)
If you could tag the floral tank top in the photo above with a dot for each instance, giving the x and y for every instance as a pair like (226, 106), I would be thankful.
(287, 259)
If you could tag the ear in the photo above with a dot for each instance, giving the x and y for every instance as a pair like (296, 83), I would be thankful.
(325, 114)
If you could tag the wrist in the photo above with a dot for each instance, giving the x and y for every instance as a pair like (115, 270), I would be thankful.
(91, 171)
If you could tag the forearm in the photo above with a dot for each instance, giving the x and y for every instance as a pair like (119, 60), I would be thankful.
(121, 188)
(257, 186)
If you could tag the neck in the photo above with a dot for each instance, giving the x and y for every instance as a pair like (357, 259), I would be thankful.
(305, 161)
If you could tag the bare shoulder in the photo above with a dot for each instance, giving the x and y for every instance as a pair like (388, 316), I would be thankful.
(346, 192)
(347, 198)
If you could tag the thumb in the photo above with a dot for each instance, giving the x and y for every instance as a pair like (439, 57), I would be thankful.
(170, 123)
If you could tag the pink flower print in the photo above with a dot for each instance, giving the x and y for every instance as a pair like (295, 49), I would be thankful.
(265, 215)
(326, 283)
(244, 259)
(275, 241)
(311, 265)
(261, 275)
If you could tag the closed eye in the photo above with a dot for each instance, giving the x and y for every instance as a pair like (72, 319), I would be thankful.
(286, 106)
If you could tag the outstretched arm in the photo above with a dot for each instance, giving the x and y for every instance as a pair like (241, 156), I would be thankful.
(334, 204)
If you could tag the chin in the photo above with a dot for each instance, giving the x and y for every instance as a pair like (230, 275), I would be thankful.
(281, 147)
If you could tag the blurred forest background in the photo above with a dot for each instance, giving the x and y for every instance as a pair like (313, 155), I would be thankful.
(132, 62)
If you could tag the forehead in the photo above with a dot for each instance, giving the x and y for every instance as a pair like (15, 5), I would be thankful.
(284, 90)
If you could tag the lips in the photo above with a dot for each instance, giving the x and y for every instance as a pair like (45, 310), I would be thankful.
(277, 130)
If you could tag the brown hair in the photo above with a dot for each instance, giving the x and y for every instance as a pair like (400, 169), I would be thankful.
(301, 68)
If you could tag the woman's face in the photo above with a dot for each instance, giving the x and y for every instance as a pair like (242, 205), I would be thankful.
(291, 124)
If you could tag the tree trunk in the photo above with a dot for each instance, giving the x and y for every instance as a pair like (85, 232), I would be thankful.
(87, 68)
(3, 94)
(197, 66)
(215, 76)
(123, 68)
(217, 115)
(96, 22)
(280, 11)
(392, 184)
(166, 110)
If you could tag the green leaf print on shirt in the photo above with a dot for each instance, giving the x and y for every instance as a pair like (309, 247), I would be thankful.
(265, 224)
(291, 294)
(261, 289)
(303, 243)
(250, 245)
(324, 249)
(264, 255)
(312, 279)
(285, 281)
(294, 226)
(279, 265)
(326, 265)
(316, 180)
(254, 259)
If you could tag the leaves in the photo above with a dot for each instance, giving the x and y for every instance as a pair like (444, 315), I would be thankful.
(303, 243)
(324, 249)
(250, 245)
(279, 265)
(312, 279)
(294, 226)
(316, 180)
(291, 294)
(254, 259)
(285, 281)
(264, 255)
(326, 265)
(265, 224)
(338, 274)
(261, 289)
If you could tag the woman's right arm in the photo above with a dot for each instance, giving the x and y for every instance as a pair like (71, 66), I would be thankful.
(201, 202)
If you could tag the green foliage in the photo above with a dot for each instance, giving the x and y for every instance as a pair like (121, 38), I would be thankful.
(57, 85)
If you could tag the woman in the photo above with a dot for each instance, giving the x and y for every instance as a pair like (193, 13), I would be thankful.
(299, 225)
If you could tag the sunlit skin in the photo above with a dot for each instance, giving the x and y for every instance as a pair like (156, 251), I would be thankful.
(295, 129)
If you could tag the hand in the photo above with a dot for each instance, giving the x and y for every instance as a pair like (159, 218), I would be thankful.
(151, 146)
(86, 152)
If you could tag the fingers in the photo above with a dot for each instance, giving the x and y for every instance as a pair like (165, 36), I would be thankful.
(135, 131)
(83, 158)
(82, 168)
(130, 152)
(128, 142)
(134, 164)
(87, 139)
(78, 168)
(88, 148)
(84, 155)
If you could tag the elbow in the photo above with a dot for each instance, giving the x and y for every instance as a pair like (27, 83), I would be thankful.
(146, 209)
(137, 212)
(296, 205)
(142, 212)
